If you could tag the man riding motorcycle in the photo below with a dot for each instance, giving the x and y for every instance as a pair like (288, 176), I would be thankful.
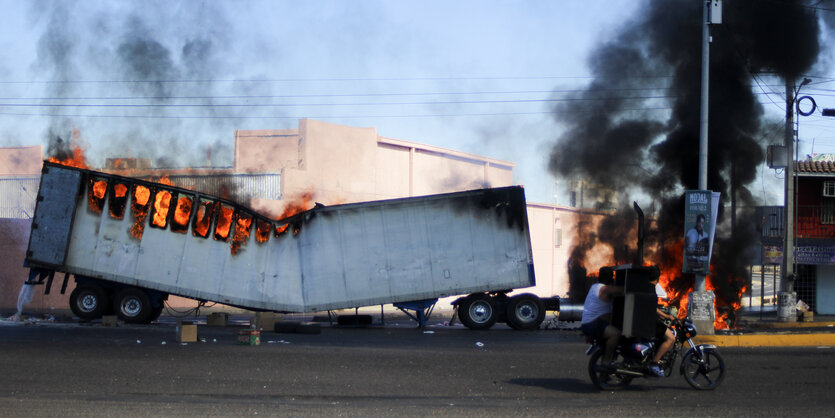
(596, 319)
(597, 312)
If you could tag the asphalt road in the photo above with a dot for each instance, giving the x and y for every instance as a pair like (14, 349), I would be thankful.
(91, 370)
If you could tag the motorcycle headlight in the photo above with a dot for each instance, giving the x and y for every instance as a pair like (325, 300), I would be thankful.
(690, 330)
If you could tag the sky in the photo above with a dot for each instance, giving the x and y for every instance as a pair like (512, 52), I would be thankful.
(168, 79)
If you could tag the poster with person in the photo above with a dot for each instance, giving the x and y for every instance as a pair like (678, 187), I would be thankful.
(700, 210)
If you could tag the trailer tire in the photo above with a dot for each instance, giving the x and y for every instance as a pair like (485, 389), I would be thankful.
(477, 311)
(88, 302)
(525, 311)
(133, 306)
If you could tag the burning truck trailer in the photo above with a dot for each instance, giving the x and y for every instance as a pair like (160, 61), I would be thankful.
(130, 243)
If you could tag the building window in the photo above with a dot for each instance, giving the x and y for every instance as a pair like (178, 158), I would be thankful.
(557, 232)
(829, 188)
(828, 210)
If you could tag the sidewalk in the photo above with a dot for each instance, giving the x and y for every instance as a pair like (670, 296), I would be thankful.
(768, 332)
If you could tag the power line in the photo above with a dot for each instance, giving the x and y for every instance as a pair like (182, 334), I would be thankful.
(289, 96)
(248, 105)
(80, 115)
(295, 80)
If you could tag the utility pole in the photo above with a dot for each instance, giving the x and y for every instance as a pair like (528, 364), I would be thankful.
(787, 298)
(700, 305)
(703, 114)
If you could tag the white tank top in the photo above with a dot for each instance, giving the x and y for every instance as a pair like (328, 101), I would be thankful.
(593, 306)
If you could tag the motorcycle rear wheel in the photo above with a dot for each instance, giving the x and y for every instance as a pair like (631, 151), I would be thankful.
(602, 377)
(703, 372)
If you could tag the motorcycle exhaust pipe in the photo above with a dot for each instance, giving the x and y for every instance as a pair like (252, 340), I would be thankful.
(627, 372)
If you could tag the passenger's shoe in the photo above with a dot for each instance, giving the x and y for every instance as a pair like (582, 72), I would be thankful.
(656, 370)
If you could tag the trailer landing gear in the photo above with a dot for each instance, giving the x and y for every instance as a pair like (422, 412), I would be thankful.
(423, 309)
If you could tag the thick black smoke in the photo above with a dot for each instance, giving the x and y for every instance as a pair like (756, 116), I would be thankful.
(138, 62)
(617, 137)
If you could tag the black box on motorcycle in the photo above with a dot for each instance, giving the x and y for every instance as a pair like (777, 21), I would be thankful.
(637, 279)
(634, 312)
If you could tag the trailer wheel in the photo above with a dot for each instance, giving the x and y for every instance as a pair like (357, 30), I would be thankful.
(525, 311)
(133, 306)
(477, 311)
(88, 302)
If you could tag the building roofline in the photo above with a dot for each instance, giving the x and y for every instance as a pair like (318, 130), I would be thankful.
(808, 168)
(431, 148)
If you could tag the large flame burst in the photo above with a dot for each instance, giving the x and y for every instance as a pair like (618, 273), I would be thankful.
(679, 286)
(71, 154)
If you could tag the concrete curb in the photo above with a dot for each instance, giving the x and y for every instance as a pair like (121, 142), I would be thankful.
(779, 325)
(768, 340)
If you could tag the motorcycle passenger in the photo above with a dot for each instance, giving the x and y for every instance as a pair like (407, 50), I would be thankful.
(597, 313)
(662, 332)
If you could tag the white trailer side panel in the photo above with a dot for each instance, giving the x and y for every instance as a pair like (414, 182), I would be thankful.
(328, 258)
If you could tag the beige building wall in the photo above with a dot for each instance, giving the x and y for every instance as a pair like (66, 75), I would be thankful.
(21, 161)
(343, 164)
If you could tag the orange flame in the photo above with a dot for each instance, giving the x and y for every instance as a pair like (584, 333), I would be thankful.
(301, 204)
(280, 229)
(161, 204)
(139, 207)
(224, 223)
(117, 205)
(76, 159)
(95, 196)
(165, 180)
(296, 206)
(181, 214)
(725, 311)
(679, 287)
(120, 189)
(203, 219)
(262, 231)
(242, 228)
(141, 195)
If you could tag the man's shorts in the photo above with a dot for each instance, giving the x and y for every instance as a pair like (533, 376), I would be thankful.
(595, 329)
(660, 329)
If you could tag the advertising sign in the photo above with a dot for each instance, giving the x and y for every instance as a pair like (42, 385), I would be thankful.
(772, 254)
(806, 254)
(700, 210)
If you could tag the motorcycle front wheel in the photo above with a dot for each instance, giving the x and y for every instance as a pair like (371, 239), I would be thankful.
(602, 377)
(703, 372)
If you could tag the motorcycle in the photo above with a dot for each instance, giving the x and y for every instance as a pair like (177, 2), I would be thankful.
(702, 366)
